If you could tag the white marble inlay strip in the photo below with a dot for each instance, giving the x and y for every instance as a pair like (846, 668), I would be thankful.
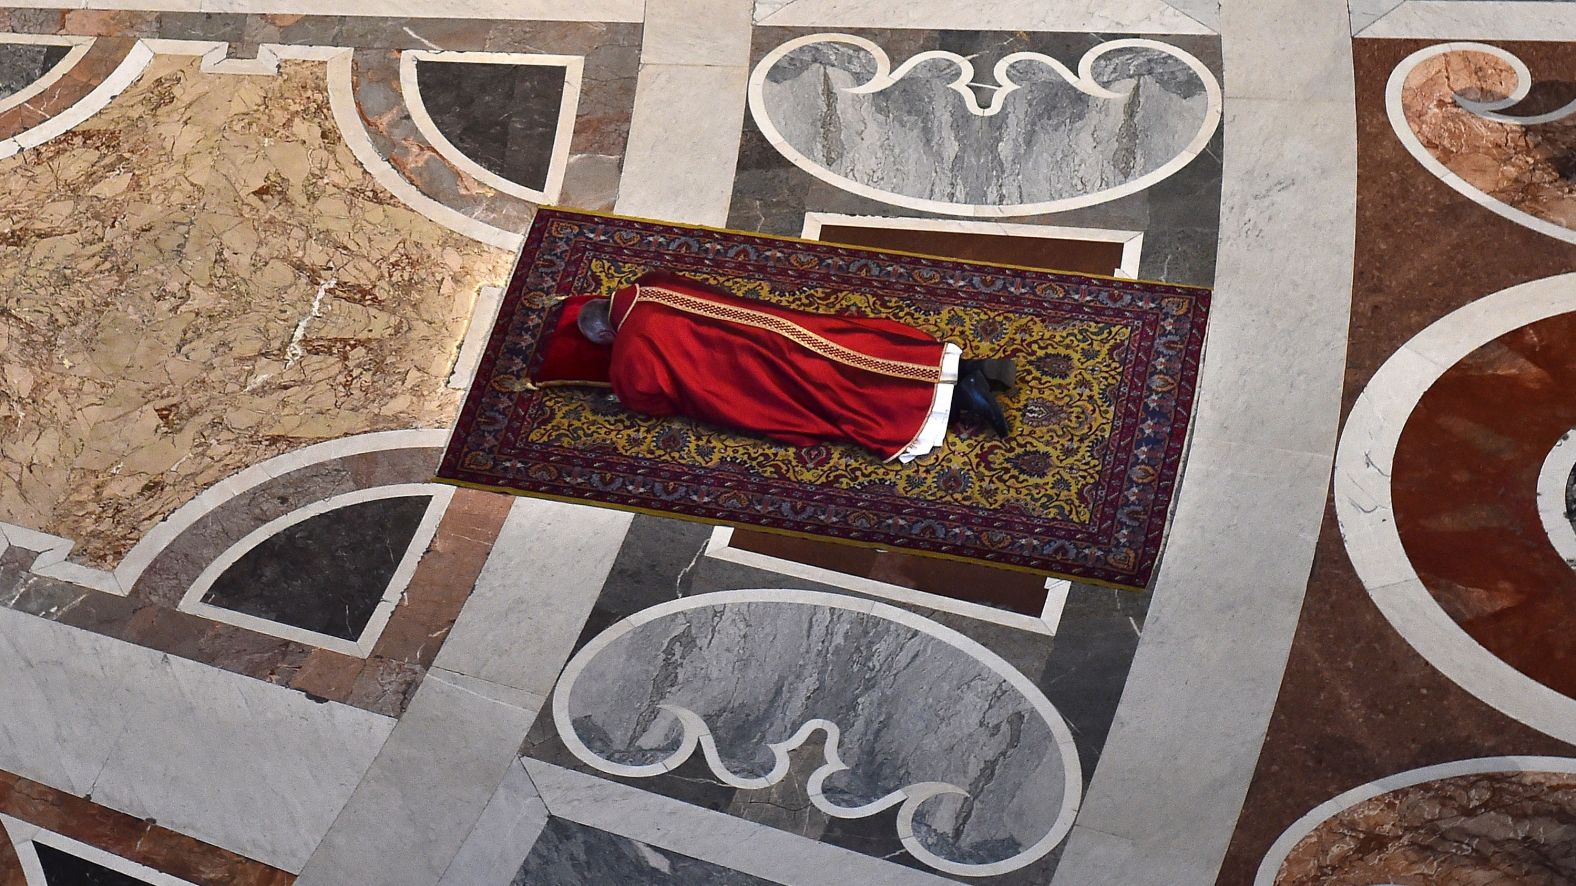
(1302, 827)
(573, 66)
(689, 178)
(1165, 797)
(162, 737)
(720, 547)
(1364, 506)
(24, 836)
(79, 48)
(716, 837)
(428, 787)
(130, 68)
(510, 825)
(361, 647)
(1553, 481)
(342, 100)
(1107, 16)
(508, 10)
(170, 528)
(1132, 241)
(1477, 20)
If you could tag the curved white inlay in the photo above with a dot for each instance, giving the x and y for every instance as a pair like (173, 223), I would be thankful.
(1302, 827)
(342, 101)
(361, 647)
(125, 74)
(1083, 80)
(696, 734)
(1489, 111)
(79, 48)
(1363, 503)
(1552, 483)
(410, 86)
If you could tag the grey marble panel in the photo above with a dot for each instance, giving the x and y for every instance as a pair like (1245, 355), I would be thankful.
(327, 573)
(568, 853)
(1045, 140)
(22, 63)
(1179, 216)
(1082, 671)
(912, 709)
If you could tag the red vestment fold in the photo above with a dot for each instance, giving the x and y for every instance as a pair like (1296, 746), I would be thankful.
(683, 348)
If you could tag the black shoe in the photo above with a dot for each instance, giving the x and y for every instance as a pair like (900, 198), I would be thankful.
(1002, 374)
(973, 396)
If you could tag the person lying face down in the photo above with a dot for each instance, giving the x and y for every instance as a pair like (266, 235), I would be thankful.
(679, 347)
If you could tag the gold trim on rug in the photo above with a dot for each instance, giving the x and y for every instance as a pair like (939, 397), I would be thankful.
(792, 533)
(786, 239)
(787, 329)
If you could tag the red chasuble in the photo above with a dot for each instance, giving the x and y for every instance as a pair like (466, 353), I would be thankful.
(685, 349)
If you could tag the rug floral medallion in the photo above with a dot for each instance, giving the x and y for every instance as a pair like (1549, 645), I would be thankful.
(1080, 488)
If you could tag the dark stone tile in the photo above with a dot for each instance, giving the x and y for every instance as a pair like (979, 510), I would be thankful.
(64, 869)
(502, 116)
(21, 64)
(225, 26)
(327, 573)
(569, 853)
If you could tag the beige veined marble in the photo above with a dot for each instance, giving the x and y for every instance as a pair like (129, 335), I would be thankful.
(200, 277)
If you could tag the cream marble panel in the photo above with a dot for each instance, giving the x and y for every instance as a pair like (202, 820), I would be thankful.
(1112, 16)
(688, 178)
(534, 593)
(170, 739)
(428, 786)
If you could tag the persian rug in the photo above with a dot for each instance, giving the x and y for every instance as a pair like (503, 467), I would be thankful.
(1081, 488)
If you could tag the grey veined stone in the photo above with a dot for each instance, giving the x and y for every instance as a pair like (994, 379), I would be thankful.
(915, 715)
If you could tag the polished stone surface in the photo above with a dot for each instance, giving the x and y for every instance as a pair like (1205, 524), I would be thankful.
(502, 116)
(1178, 215)
(1506, 827)
(327, 573)
(572, 853)
(983, 145)
(21, 64)
(64, 869)
(301, 304)
(1336, 725)
(142, 722)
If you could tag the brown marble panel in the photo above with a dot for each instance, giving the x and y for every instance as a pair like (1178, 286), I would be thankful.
(1357, 703)
(131, 838)
(1527, 167)
(1465, 483)
(1471, 830)
(1078, 256)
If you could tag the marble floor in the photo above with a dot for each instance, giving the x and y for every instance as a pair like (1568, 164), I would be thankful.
(250, 251)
